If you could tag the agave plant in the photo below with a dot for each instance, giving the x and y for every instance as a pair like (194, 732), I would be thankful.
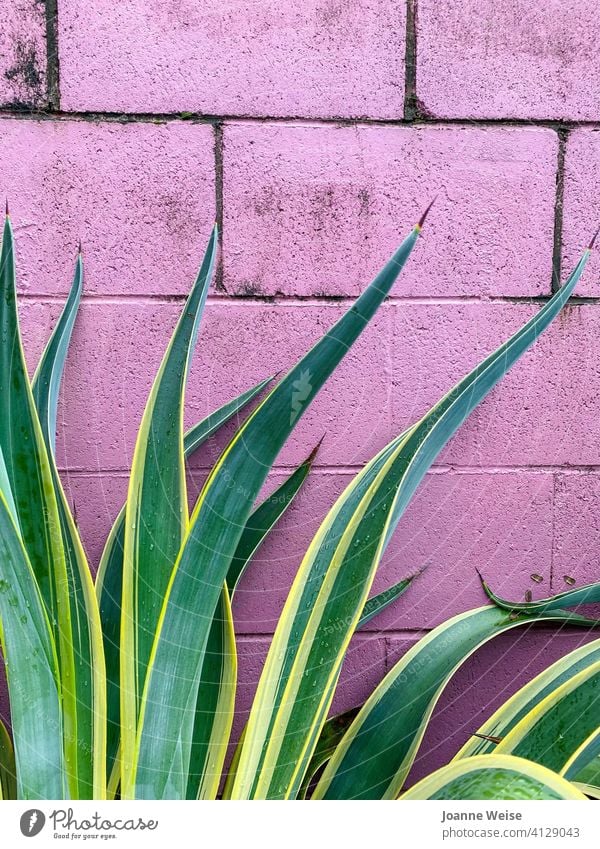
(125, 688)
(549, 726)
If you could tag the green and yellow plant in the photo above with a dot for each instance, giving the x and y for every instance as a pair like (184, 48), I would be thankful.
(125, 688)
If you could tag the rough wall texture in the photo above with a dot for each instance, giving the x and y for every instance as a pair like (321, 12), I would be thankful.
(315, 133)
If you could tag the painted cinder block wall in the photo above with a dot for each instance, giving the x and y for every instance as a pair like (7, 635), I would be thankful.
(315, 134)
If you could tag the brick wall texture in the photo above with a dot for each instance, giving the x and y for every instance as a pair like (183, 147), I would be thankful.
(315, 133)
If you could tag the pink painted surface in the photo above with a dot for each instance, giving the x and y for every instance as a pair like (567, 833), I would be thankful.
(509, 59)
(580, 211)
(108, 380)
(411, 355)
(310, 210)
(320, 216)
(322, 57)
(23, 54)
(537, 415)
(577, 529)
(500, 524)
(140, 197)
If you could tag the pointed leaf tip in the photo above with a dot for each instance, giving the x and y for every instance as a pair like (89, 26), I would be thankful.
(484, 583)
(423, 218)
(7, 212)
(488, 737)
(594, 237)
(420, 570)
(315, 450)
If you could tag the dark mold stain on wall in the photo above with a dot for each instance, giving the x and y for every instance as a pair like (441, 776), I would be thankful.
(26, 76)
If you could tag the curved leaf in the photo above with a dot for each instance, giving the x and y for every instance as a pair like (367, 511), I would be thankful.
(553, 731)
(156, 512)
(335, 726)
(215, 705)
(86, 637)
(588, 594)
(331, 735)
(380, 602)
(528, 698)
(376, 754)
(584, 764)
(493, 777)
(41, 511)
(109, 580)
(230, 778)
(8, 769)
(264, 518)
(197, 435)
(216, 692)
(48, 375)
(32, 672)
(110, 573)
(329, 591)
(166, 725)
(307, 650)
(589, 790)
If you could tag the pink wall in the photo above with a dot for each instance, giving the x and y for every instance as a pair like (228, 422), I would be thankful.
(304, 131)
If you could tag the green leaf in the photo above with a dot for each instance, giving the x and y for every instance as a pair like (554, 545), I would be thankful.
(554, 729)
(264, 518)
(197, 435)
(527, 698)
(230, 778)
(588, 594)
(89, 682)
(156, 513)
(493, 777)
(48, 375)
(215, 705)
(32, 672)
(380, 602)
(7, 492)
(216, 693)
(330, 590)
(8, 769)
(590, 790)
(167, 718)
(109, 580)
(40, 508)
(311, 637)
(584, 764)
(330, 737)
(378, 750)
(335, 726)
